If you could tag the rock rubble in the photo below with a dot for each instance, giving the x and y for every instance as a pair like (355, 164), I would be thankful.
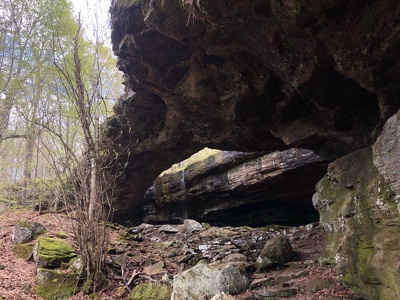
(220, 262)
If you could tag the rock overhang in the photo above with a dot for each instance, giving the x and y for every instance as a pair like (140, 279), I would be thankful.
(250, 76)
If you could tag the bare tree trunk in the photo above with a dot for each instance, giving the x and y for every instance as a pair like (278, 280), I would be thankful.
(93, 189)
(30, 144)
(31, 135)
(5, 111)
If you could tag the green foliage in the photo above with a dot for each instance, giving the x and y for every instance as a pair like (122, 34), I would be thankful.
(35, 44)
(61, 86)
(42, 194)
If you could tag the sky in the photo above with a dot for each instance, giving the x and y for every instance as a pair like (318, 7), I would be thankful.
(89, 9)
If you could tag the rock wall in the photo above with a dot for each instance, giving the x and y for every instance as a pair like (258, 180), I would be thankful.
(270, 75)
(234, 188)
(359, 208)
(248, 76)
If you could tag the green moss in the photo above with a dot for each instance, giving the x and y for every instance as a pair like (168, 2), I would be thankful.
(326, 261)
(88, 286)
(366, 270)
(206, 226)
(61, 235)
(23, 250)
(111, 250)
(359, 273)
(52, 252)
(151, 291)
(52, 284)
(114, 226)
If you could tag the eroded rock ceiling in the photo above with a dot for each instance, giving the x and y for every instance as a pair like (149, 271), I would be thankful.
(249, 76)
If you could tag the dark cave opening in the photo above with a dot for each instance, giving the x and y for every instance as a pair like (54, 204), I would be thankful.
(212, 188)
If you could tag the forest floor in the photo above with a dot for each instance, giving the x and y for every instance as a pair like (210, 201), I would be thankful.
(302, 274)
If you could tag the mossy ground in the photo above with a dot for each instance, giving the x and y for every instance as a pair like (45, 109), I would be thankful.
(53, 284)
(23, 250)
(151, 291)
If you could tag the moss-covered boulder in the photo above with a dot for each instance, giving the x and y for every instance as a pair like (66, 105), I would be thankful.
(54, 284)
(24, 250)
(360, 213)
(276, 251)
(151, 291)
(26, 231)
(50, 253)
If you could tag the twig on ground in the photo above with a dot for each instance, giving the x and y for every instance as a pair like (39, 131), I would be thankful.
(135, 273)
(148, 278)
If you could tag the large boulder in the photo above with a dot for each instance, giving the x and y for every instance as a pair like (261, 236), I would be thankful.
(276, 251)
(238, 188)
(50, 253)
(55, 284)
(26, 231)
(359, 211)
(204, 281)
(248, 76)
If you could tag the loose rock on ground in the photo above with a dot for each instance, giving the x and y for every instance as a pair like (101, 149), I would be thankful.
(157, 257)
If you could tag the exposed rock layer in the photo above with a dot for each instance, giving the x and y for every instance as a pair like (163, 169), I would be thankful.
(249, 76)
(359, 211)
(240, 189)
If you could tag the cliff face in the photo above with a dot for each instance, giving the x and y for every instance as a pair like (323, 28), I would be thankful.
(358, 201)
(249, 76)
(240, 189)
(270, 75)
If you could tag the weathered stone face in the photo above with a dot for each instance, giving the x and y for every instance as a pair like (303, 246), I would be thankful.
(275, 252)
(203, 281)
(359, 212)
(387, 154)
(26, 231)
(249, 76)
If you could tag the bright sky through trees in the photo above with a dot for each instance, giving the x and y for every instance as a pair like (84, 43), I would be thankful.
(92, 10)
(37, 116)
